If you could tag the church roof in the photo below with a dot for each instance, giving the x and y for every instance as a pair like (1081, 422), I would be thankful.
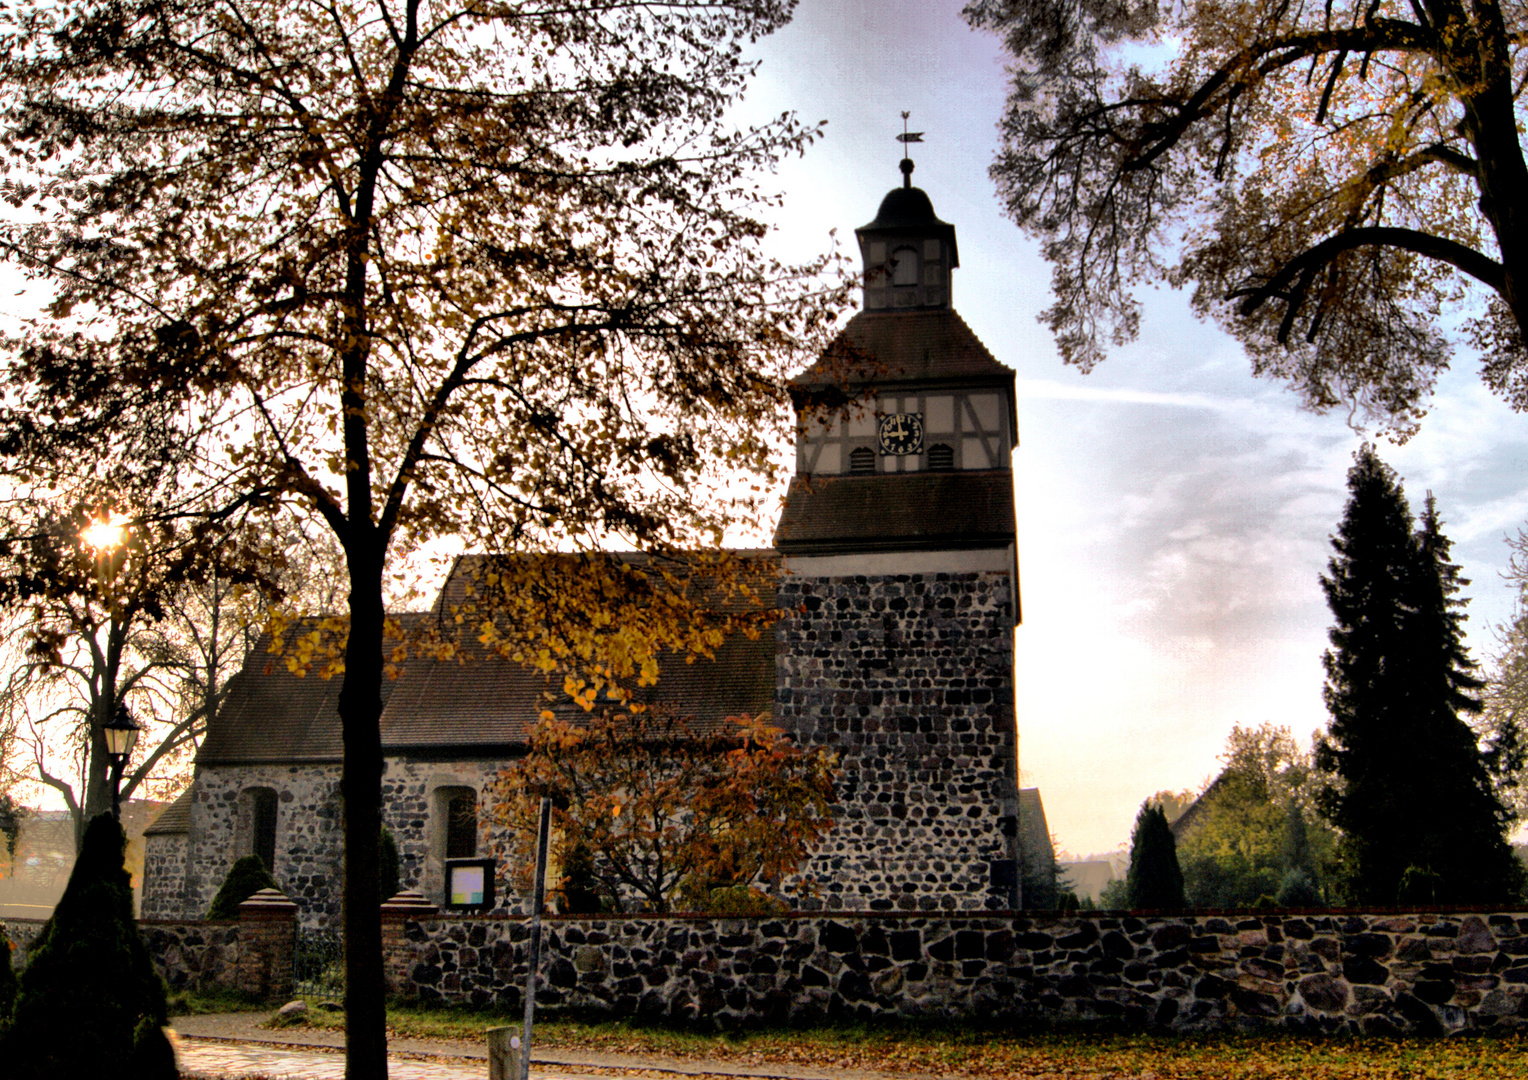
(897, 512)
(880, 348)
(271, 714)
(174, 820)
(908, 210)
(478, 704)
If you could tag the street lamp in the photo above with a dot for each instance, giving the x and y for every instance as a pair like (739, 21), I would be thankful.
(121, 733)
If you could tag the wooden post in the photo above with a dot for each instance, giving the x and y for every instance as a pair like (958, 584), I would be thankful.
(538, 901)
(503, 1054)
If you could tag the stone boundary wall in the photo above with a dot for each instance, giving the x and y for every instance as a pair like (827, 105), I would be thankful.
(194, 955)
(22, 933)
(1349, 972)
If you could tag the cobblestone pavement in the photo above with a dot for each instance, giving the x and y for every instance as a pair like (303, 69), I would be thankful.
(231, 1046)
(228, 1061)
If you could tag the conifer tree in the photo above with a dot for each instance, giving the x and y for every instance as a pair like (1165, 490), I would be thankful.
(1407, 784)
(91, 1003)
(1154, 879)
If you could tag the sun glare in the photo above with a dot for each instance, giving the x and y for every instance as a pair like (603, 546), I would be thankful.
(104, 536)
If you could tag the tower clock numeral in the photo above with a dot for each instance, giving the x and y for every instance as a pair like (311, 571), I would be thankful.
(900, 433)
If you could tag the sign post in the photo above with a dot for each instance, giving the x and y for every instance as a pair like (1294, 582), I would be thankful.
(538, 901)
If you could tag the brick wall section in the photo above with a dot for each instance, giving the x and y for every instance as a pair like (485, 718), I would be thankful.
(267, 946)
(200, 956)
(909, 679)
(396, 954)
(1369, 973)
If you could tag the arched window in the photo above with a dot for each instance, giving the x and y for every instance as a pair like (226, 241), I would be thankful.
(904, 266)
(941, 457)
(862, 460)
(257, 824)
(455, 813)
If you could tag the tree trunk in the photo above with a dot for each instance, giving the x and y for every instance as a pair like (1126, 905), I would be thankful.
(360, 707)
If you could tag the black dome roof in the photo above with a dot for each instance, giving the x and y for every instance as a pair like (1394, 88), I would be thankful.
(907, 211)
(903, 208)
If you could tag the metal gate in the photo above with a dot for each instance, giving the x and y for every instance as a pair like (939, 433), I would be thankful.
(319, 966)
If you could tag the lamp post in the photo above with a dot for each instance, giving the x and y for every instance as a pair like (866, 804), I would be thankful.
(121, 733)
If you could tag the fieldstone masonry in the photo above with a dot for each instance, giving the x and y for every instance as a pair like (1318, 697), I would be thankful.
(309, 851)
(909, 679)
(1369, 973)
(201, 956)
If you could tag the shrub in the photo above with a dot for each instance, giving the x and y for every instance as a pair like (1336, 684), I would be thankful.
(246, 877)
(580, 887)
(387, 865)
(743, 900)
(1115, 896)
(1298, 890)
(7, 981)
(1420, 887)
(90, 1001)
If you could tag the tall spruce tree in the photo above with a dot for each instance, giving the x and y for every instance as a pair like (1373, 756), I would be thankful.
(1406, 780)
(1154, 879)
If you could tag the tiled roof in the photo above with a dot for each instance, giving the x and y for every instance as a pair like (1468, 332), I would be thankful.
(885, 347)
(487, 703)
(897, 512)
(174, 820)
(477, 704)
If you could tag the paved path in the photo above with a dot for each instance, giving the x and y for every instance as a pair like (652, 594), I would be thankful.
(226, 1046)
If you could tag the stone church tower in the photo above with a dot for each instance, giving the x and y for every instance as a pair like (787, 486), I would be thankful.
(901, 585)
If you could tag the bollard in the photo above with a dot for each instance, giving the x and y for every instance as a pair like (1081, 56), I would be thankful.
(503, 1054)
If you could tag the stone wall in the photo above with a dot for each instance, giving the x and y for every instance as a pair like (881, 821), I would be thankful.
(21, 933)
(1371, 973)
(909, 679)
(201, 956)
(164, 877)
(410, 810)
(183, 873)
(308, 837)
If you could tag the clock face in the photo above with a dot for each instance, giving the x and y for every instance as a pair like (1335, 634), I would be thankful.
(900, 433)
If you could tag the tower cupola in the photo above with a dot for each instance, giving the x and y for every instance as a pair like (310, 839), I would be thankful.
(908, 252)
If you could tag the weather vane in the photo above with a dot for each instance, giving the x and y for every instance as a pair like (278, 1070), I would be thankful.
(905, 138)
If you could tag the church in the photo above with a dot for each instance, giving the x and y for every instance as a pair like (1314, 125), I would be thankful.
(895, 565)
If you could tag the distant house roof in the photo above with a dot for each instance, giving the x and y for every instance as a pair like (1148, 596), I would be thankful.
(1191, 818)
(1088, 877)
(477, 704)
(897, 512)
(881, 348)
(174, 820)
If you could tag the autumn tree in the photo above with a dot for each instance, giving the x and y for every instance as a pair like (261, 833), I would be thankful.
(1406, 781)
(666, 813)
(1252, 826)
(1502, 725)
(416, 271)
(1327, 178)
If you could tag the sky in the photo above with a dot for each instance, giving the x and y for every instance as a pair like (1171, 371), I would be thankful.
(1174, 512)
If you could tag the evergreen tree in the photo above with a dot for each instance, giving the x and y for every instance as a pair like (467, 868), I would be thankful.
(388, 879)
(1407, 782)
(7, 981)
(1154, 879)
(91, 1003)
(246, 877)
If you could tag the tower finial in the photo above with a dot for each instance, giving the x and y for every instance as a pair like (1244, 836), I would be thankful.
(907, 163)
